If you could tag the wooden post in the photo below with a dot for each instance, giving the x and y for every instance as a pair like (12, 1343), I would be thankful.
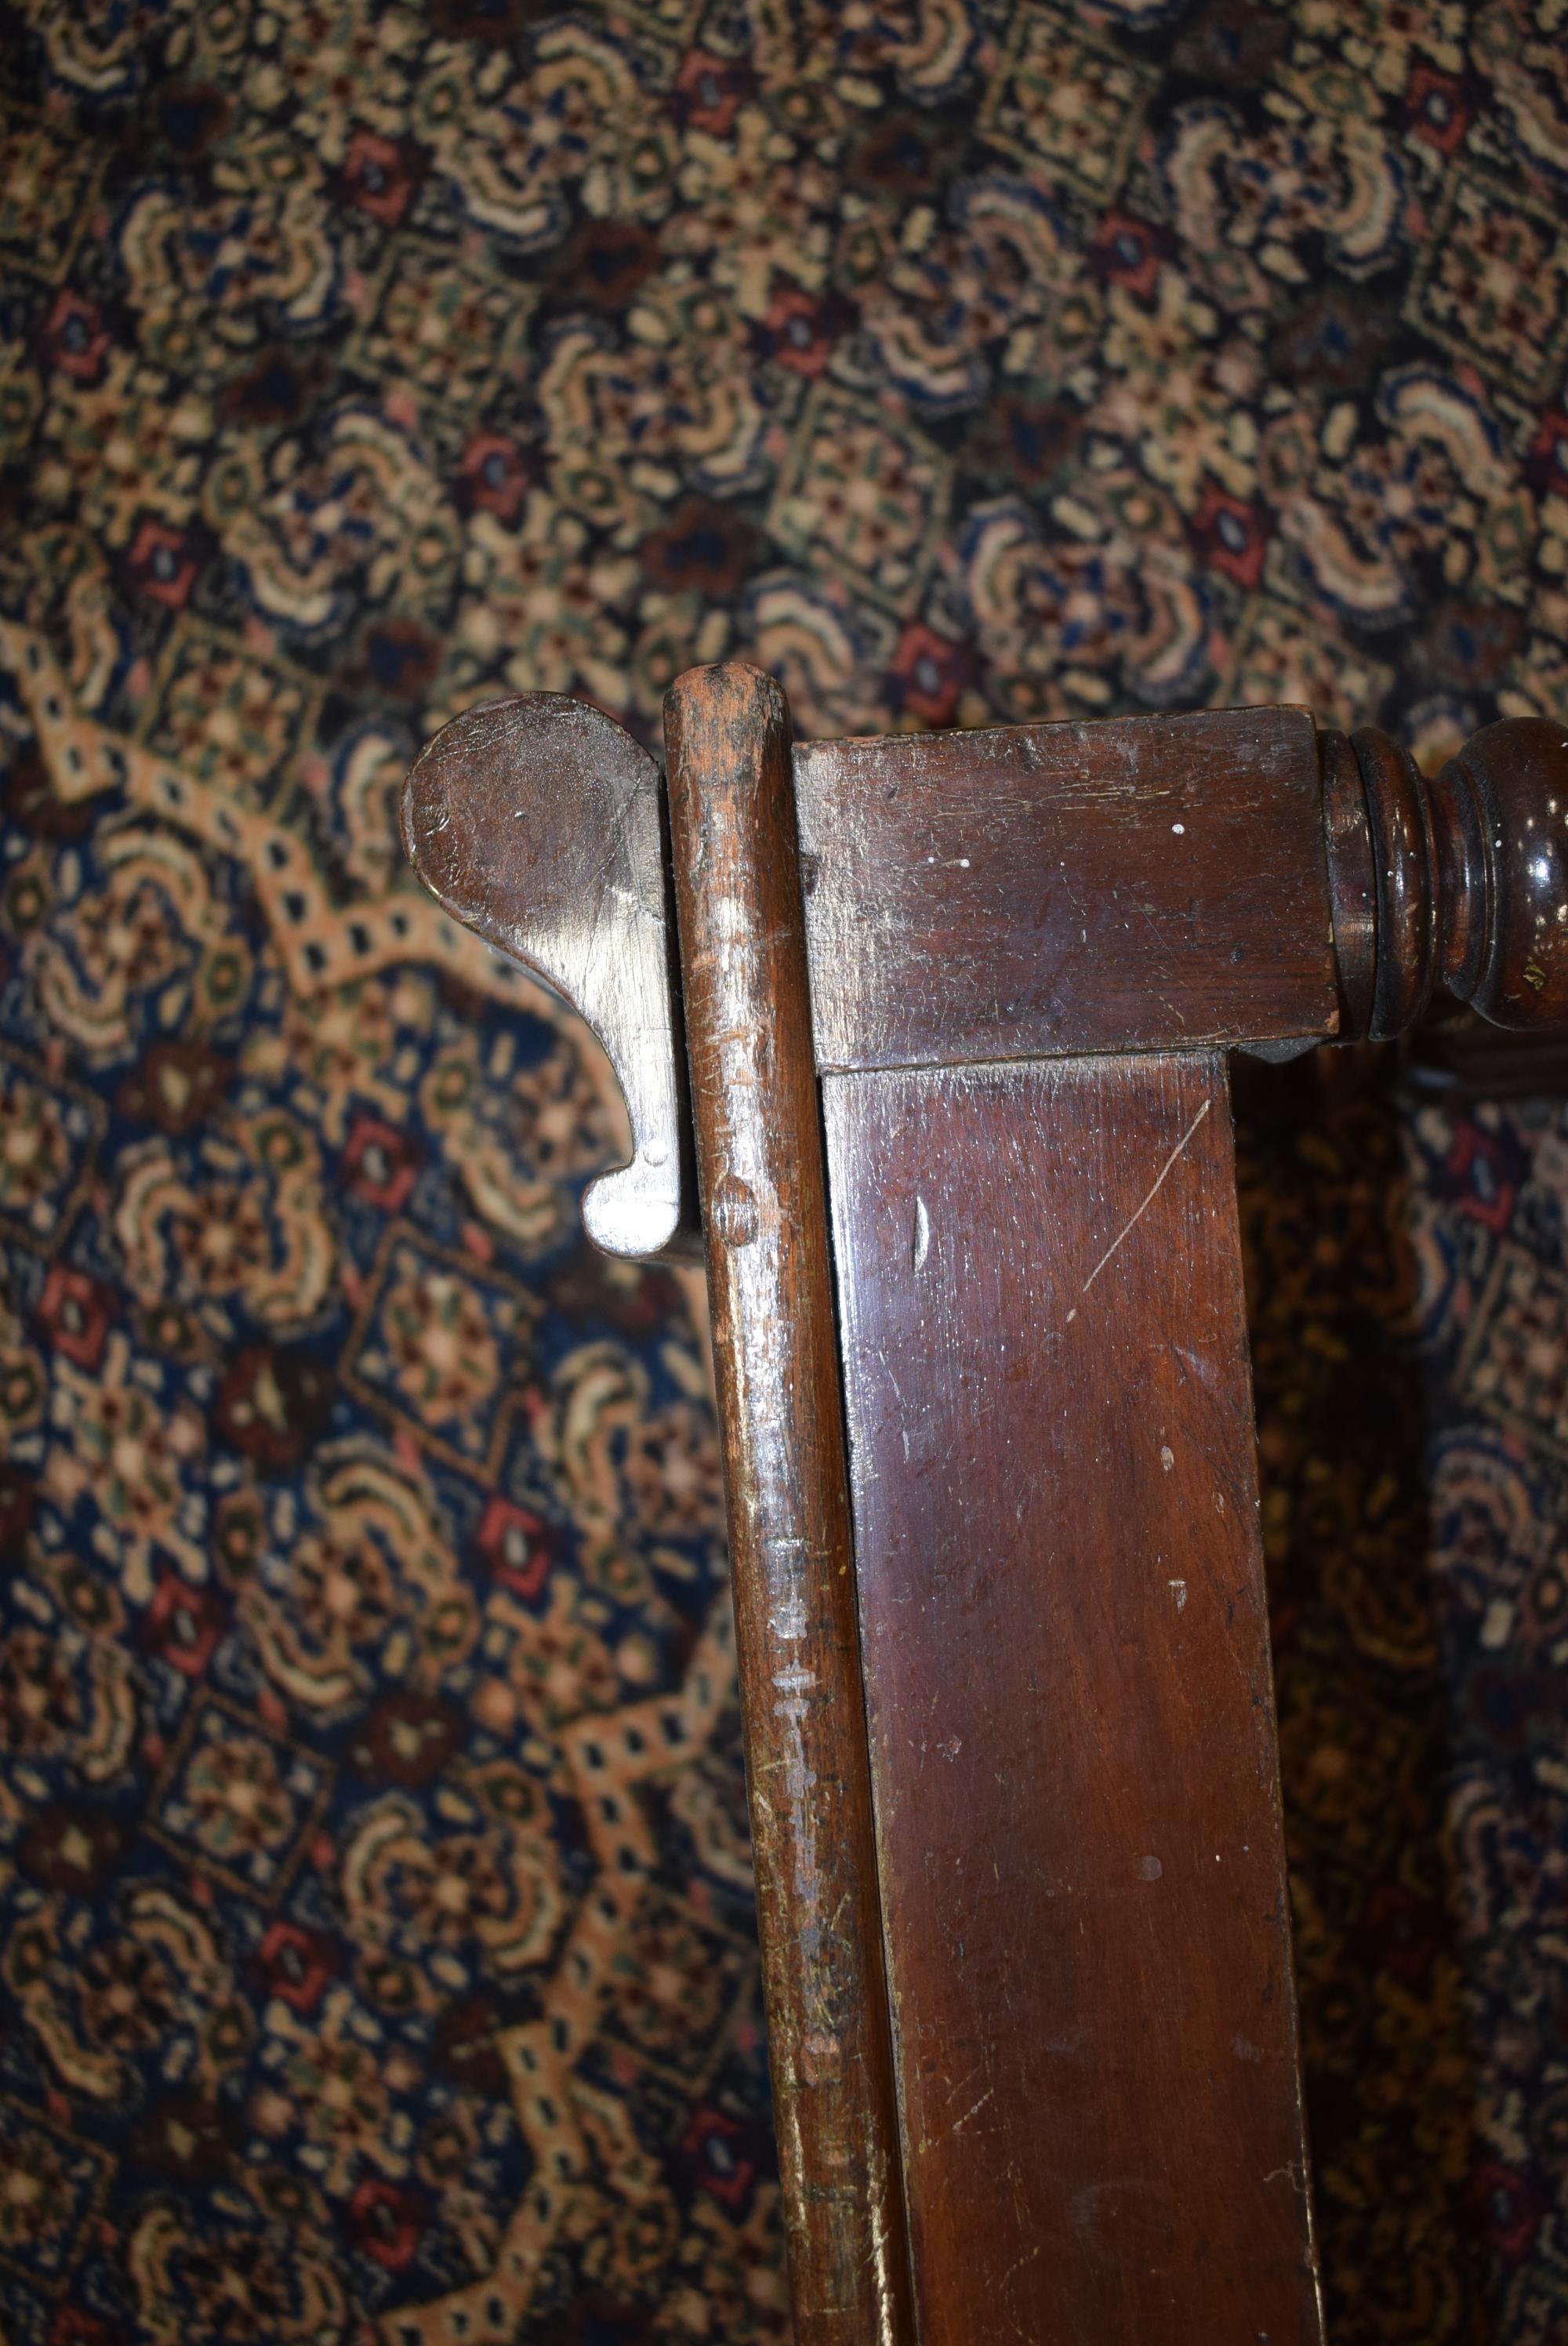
(759, 1166)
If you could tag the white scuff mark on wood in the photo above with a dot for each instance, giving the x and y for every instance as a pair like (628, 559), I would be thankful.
(788, 1621)
(1178, 1590)
(1160, 1179)
(1167, 1456)
(921, 1247)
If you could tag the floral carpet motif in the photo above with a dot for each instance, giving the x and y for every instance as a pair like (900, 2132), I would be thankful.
(376, 1956)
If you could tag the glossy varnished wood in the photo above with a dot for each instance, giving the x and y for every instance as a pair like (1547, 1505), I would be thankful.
(759, 1156)
(1352, 882)
(1067, 1671)
(1140, 884)
(1467, 874)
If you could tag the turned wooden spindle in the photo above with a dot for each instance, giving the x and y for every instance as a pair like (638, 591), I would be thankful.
(1458, 885)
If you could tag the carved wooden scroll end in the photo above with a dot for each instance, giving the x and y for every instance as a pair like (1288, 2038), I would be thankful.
(538, 823)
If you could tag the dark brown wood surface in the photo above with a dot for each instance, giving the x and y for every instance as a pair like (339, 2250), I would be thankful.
(759, 1160)
(1143, 883)
(1352, 882)
(1469, 875)
(1068, 1680)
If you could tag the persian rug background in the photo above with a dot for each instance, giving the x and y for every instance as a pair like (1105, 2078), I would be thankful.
(374, 1911)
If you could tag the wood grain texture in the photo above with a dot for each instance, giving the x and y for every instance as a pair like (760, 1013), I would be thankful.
(1068, 1682)
(1143, 883)
(759, 1156)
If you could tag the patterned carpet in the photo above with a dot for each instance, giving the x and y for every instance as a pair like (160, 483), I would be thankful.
(375, 1940)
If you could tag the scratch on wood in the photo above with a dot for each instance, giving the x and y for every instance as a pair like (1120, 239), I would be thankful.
(1294, 2170)
(1161, 1179)
(1027, 2258)
(958, 2124)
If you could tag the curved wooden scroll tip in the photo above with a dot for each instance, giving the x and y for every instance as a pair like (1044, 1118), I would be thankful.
(537, 824)
(1460, 884)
